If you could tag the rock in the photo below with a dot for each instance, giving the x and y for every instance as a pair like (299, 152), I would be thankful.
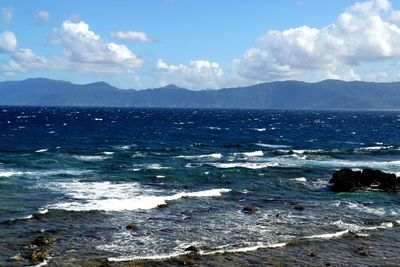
(298, 207)
(346, 180)
(312, 253)
(363, 251)
(188, 262)
(192, 249)
(249, 209)
(132, 226)
(280, 216)
(43, 241)
(162, 206)
(39, 255)
(104, 263)
(17, 257)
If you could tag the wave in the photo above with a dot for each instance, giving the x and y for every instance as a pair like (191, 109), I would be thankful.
(178, 254)
(327, 236)
(271, 145)
(107, 196)
(91, 158)
(10, 173)
(213, 155)
(257, 153)
(246, 165)
(42, 150)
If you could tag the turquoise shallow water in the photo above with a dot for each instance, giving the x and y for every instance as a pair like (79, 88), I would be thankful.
(81, 175)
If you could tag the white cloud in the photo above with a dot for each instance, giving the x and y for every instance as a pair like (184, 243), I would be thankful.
(43, 16)
(132, 35)
(199, 74)
(8, 42)
(22, 60)
(365, 32)
(82, 46)
(6, 15)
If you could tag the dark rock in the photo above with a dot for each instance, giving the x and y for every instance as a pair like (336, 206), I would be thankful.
(39, 255)
(249, 209)
(132, 226)
(104, 263)
(162, 206)
(280, 215)
(362, 251)
(298, 207)
(43, 241)
(192, 249)
(312, 253)
(188, 262)
(346, 180)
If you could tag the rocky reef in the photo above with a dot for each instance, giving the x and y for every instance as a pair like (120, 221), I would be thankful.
(347, 180)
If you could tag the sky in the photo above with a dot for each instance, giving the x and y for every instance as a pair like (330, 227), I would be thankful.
(199, 44)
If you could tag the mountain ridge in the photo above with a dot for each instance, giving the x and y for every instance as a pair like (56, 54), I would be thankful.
(291, 94)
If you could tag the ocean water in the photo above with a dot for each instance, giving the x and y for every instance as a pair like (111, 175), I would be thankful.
(80, 175)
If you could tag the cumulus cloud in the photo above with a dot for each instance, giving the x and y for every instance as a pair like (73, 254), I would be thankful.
(365, 32)
(8, 42)
(82, 46)
(6, 15)
(198, 74)
(22, 60)
(43, 16)
(132, 36)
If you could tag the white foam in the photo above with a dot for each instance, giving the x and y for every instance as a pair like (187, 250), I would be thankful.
(10, 173)
(91, 158)
(177, 254)
(247, 165)
(271, 145)
(42, 150)
(98, 119)
(43, 263)
(374, 148)
(213, 155)
(300, 179)
(107, 196)
(257, 153)
(327, 236)
(260, 129)
(108, 153)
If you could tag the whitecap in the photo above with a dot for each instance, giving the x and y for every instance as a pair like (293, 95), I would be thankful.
(271, 145)
(300, 179)
(108, 196)
(260, 129)
(246, 165)
(257, 153)
(213, 155)
(90, 158)
(108, 153)
(42, 150)
(327, 236)
(10, 173)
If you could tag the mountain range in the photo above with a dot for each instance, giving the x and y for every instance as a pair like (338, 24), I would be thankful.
(327, 94)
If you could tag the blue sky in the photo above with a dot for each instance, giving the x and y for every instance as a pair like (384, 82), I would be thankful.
(199, 44)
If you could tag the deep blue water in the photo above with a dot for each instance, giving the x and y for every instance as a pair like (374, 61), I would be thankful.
(81, 175)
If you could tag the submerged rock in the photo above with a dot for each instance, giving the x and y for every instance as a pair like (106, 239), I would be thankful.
(132, 226)
(249, 209)
(43, 241)
(39, 255)
(298, 207)
(346, 180)
(192, 249)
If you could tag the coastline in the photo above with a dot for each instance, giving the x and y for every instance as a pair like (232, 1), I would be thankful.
(376, 249)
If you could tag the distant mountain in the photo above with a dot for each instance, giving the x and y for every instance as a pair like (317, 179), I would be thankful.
(328, 94)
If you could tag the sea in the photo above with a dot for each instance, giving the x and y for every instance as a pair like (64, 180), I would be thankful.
(81, 175)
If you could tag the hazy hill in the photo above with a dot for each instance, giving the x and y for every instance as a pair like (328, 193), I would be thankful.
(328, 94)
